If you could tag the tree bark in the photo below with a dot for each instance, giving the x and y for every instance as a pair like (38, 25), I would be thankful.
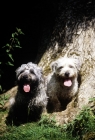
(74, 31)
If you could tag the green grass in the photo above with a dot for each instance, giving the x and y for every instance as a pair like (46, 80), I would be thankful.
(43, 130)
(83, 124)
(33, 131)
(3, 99)
(81, 128)
(46, 129)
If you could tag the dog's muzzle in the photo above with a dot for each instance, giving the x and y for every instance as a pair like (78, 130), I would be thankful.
(27, 82)
(67, 81)
(26, 88)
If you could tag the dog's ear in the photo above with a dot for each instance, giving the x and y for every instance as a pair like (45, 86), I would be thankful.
(53, 66)
(77, 64)
(17, 71)
(40, 69)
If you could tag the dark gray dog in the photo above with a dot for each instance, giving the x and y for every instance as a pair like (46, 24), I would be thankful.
(31, 98)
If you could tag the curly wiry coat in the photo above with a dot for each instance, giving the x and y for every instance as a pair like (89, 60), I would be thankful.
(62, 83)
(28, 105)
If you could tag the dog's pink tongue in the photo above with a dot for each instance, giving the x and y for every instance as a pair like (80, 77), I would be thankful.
(67, 83)
(26, 88)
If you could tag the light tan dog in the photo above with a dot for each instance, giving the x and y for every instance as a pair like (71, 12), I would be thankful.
(62, 83)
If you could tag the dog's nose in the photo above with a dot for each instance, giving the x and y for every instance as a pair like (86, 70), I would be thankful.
(25, 76)
(67, 74)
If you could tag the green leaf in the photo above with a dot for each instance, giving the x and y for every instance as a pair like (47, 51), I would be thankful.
(3, 46)
(22, 33)
(16, 39)
(18, 46)
(2, 103)
(7, 45)
(92, 99)
(9, 63)
(7, 50)
(18, 42)
(19, 31)
(13, 35)
(10, 55)
(16, 33)
(0, 88)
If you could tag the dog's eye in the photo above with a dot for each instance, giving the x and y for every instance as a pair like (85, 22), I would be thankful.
(31, 70)
(21, 72)
(60, 68)
(70, 66)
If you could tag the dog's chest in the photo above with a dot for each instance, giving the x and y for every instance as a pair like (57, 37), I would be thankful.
(64, 93)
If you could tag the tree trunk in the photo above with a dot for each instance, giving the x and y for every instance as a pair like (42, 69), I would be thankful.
(74, 31)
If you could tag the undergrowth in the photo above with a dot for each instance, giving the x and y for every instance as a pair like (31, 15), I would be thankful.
(33, 131)
(3, 99)
(46, 129)
(6, 53)
(83, 124)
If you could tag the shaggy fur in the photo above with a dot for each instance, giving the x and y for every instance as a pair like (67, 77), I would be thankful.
(31, 98)
(62, 84)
